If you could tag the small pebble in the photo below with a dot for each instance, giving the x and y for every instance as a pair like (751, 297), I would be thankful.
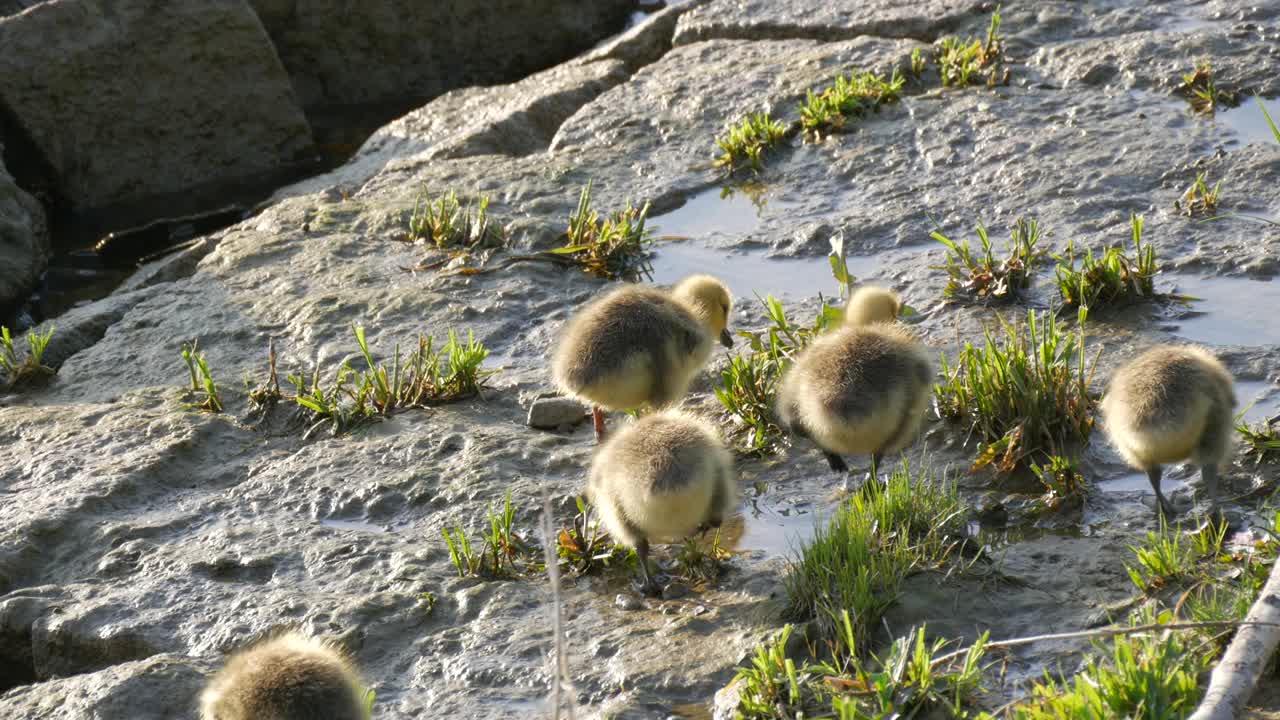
(549, 413)
(627, 602)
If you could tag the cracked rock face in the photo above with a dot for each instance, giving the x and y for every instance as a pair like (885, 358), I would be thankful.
(388, 51)
(141, 540)
(150, 99)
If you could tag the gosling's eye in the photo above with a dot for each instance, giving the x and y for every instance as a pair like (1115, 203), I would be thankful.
(725, 308)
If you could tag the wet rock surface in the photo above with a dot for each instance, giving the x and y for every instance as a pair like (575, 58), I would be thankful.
(141, 540)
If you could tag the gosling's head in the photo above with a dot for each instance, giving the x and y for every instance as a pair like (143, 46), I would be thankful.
(870, 305)
(710, 299)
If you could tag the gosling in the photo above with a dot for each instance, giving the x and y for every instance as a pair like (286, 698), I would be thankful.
(1170, 404)
(288, 677)
(664, 477)
(638, 346)
(860, 389)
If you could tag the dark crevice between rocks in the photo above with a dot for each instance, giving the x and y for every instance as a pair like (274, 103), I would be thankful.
(17, 663)
(30, 169)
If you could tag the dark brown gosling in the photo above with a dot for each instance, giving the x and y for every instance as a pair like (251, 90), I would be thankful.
(662, 478)
(1170, 404)
(861, 389)
(640, 346)
(288, 677)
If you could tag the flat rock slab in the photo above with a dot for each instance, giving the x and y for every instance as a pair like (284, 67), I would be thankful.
(133, 99)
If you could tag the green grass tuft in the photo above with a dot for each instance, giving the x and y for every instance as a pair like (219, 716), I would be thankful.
(746, 142)
(1146, 676)
(1064, 486)
(983, 278)
(1199, 200)
(849, 98)
(1112, 277)
(428, 376)
(1203, 92)
(1168, 555)
(447, 223)
(964, 62)
(1025, 392)
(29, 370)
(202, 383)
(909, 680)
(858, 561)
(502, 554)
(1262, 440)
(918, 63)
(584, 548)
(613, 247)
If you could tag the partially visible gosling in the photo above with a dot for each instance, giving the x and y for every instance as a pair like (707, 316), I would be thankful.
(639, 346)
(663, 477)
(1169, 404)
(288, 677)
(862, 388)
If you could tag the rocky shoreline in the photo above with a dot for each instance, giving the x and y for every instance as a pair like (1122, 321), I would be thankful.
(141, 540)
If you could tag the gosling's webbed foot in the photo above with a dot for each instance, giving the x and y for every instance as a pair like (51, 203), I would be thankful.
(836, 462)
(651, 588)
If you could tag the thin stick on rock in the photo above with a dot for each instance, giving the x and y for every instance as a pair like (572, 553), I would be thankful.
(561, 683)
(1233, 680)
(1272, 624)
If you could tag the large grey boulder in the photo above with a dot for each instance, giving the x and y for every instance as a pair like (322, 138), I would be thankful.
(130, 99)
(24, 240)
(344, 53)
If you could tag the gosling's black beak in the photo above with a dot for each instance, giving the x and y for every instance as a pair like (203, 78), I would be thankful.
(725, 338)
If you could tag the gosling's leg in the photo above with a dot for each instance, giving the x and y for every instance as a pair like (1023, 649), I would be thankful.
(597, 421)
(650, 587)
(1210, 474)
(1162, 506)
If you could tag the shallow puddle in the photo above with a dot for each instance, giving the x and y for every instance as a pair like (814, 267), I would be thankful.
(777, 533)
(718, 212)
(748, 272)
(1230, 310)
(355, 526)
(737, 214)
(1258, 400)
(1247, 121)
(1138, 483)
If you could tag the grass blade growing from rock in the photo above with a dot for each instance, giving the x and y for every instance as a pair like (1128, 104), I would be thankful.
(613, 247)
(28, 370)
